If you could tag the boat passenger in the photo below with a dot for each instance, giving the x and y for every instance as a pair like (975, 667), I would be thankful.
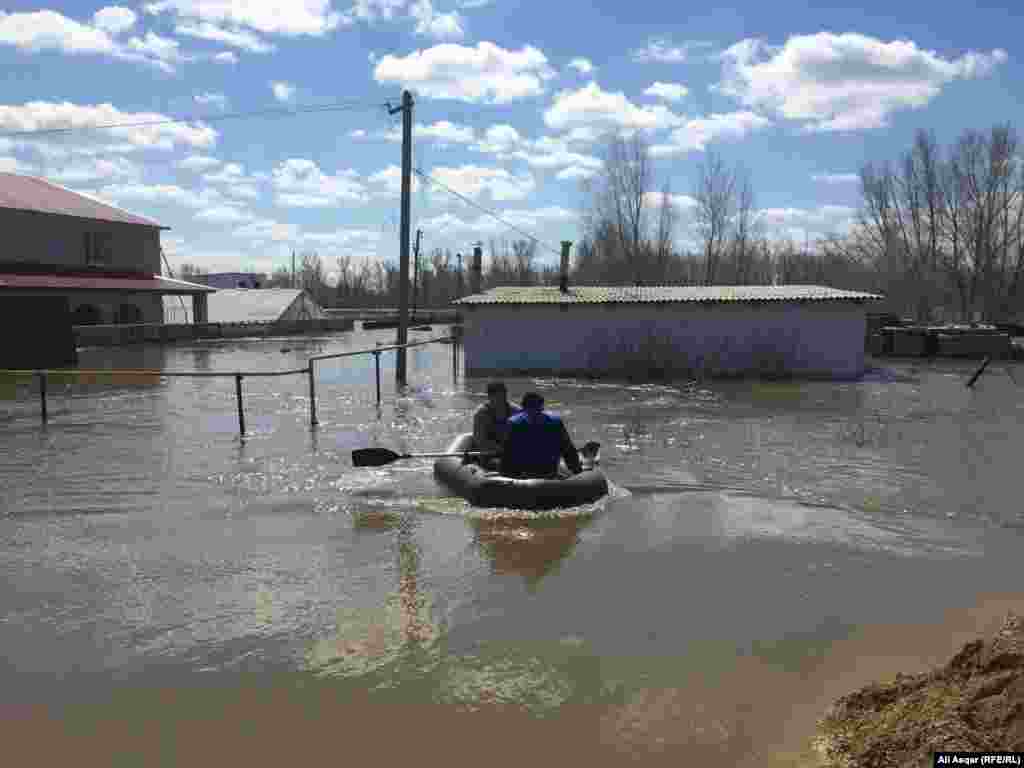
(490, 422)
(535, 441)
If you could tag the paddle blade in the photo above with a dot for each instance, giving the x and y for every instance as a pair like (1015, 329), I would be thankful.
(373, 457)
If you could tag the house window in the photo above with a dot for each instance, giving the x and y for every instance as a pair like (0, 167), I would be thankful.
(99, 249)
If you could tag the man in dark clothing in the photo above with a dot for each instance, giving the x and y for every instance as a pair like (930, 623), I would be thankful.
(535, 441)
(490, 422)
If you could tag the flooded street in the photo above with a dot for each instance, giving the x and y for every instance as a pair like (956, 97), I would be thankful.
(175, 595)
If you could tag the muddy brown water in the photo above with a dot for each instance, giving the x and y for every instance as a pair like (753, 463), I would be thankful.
(173, 595)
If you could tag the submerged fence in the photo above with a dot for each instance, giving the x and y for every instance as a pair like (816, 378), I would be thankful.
(101, 376)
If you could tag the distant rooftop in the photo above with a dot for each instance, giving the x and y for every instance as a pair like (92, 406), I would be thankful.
(587, 294)
(240, 305)
(31, 193)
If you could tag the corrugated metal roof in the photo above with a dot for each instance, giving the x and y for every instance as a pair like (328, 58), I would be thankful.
(587, 294)
(239, 305)
(31, 193)
(86, 282)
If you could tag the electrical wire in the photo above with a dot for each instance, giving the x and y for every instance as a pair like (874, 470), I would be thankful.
(489, 212)
(270, 112)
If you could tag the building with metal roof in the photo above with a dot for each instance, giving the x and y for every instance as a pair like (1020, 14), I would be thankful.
(806, 330)
(251, 305)
(106, 261)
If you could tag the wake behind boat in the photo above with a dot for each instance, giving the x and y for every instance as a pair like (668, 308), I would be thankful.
(486, 488)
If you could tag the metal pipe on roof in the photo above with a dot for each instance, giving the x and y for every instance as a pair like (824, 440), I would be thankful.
(563, 281)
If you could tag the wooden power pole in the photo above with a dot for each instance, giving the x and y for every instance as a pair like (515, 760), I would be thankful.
(416, 270)
(403, 252)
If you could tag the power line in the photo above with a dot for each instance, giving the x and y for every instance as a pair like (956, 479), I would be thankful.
(271, 112)
(489, 212)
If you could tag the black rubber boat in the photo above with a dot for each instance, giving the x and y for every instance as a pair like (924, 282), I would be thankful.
(484, 488)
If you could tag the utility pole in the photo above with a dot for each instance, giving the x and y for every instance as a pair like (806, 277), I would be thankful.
(403, 252)
(416, 270)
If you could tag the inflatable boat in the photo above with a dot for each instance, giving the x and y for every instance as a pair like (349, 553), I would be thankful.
(487, 488)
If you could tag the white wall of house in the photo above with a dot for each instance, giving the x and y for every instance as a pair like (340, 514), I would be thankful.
(810, 338)
(51, 240)
(110, 302)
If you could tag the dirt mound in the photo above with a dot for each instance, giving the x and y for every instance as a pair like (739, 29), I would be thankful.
(974, 703)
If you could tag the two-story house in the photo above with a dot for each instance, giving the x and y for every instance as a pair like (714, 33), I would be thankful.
(104, 260)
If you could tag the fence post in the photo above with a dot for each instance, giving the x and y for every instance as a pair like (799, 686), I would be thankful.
(312, 395)
(376, 359)
(241, 413)
(42, 394)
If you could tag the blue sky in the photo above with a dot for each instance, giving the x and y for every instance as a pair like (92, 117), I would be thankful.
(512, 99)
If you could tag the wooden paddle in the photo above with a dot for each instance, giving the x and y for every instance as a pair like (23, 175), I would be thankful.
(378, 457)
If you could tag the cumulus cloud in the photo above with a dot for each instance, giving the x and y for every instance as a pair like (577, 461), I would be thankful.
(44, 115)
(836, 178)
(682, 203)
(46, 30)
(270, 17)
(198, 162)
(695, 135)
(662, 51)
(807, 223)
(373, 10)
(162, 194)
(300, 183)
(211, 97)
(95, 169)
(267, 230)
(582, 65)
(474, 181)
(224, 214)
(442, 132)
(843, 82)
(282, 91)
(227, 57)
(667, 91)
(592, 108)
(236, 38)
(486, 73)
(575, 173)
(114, 19)
(549, 223)
(439, 26)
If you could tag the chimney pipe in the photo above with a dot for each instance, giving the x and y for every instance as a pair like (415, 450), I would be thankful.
(476, 270)
(563, 281)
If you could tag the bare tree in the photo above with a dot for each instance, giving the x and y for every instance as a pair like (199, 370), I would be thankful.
(715, 194)
(743, 225)
(665, 235)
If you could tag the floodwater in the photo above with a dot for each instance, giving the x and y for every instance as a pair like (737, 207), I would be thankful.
(173, 595)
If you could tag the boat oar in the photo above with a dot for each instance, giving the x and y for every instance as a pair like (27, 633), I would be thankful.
(378, 457)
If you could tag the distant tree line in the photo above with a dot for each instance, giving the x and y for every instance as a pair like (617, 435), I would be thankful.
(939, 232)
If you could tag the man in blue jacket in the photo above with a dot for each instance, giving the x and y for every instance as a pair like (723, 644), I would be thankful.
(535, 440)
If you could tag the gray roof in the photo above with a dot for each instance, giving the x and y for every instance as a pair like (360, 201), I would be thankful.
(31, 193)
(238, 305)
(589, 294)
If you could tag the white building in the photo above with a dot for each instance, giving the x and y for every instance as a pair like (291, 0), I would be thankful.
(804, 330)
(250, 305)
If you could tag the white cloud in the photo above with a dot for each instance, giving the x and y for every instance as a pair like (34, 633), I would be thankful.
(211, 97)
(114, 19)
(443, 132)
(836, 178)
(162, 194)
(499, 139)
(282, 91)
(363, 242)
(96, 169)
(474, 3)
(843, 82)
(301, 184)
(574, 173)
(12, 165)
(696, 134)
(198, 162)
(662, 51)
(230, 173)
(48, 30)
(680, 202)
(280, 17)
(161, 51)
(264, 230)
(667, 91)
(358, 133)
(548, 223)
(224, 214)
(236, 38)
(44, 115)
(474, 180)
(592, 108)
(388, 181)
(547, 153)
(438, 26)
(373, 10)
(228, 57)
(804, 223)
(242, 190)
(582, 65)
(484, 74)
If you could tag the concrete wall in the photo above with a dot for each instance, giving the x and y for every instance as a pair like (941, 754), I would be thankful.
(40, 238)
(108, 303)
(810, 338)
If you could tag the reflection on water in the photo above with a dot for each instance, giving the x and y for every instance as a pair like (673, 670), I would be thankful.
(208, 600)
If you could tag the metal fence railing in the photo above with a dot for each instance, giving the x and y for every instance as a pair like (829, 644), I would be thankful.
(101, 376)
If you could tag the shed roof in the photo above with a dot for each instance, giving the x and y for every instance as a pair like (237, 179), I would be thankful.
(587, 294)
(241, 305)
(31, 193)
